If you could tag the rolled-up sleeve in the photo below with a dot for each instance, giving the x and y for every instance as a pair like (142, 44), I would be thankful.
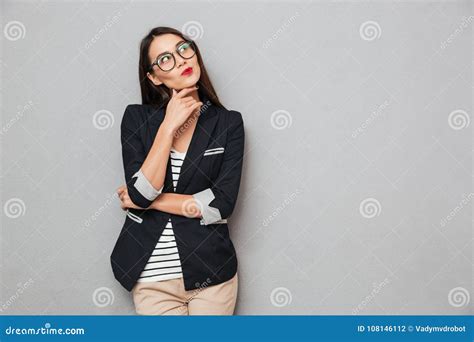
(141, 191)
(218, 201)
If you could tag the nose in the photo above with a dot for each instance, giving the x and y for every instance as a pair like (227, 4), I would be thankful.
(179, 60)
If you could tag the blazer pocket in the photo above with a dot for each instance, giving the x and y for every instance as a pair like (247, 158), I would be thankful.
(134, 217)
(212, 151)
(222, 221)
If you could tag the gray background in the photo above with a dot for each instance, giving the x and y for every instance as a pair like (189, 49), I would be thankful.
(356, 195)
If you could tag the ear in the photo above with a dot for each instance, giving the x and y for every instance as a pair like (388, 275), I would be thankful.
(152, 77)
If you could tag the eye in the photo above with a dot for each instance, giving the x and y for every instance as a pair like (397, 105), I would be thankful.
(164, 59)
(184, 46)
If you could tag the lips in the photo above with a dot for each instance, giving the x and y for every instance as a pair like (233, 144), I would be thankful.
(187, 71)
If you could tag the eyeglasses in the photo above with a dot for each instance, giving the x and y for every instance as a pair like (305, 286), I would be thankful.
(166, 61)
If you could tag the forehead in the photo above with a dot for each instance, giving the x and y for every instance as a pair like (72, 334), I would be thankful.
(163, 43)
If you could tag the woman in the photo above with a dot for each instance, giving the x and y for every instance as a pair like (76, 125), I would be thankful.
(182, 154)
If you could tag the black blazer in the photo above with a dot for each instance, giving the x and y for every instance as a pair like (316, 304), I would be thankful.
(206, 251)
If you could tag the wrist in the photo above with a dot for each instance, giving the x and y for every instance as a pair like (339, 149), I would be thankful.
(167, 129)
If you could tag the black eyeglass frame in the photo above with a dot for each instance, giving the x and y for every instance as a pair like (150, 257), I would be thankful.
(191, 44)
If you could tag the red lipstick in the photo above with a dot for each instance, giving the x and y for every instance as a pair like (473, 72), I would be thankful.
(187, 71)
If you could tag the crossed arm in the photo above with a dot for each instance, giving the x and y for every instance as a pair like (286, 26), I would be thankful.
(142, 191)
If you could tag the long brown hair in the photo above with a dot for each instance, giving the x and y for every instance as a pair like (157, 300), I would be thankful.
(160, 95)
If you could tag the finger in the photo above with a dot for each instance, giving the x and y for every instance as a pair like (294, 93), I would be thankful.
(173, 92)
(185, 91)
(195, 106)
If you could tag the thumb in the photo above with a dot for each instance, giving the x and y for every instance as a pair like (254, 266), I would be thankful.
(174, 92)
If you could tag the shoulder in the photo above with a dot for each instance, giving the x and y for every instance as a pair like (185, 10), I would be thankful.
(136, 114)
(232, 117)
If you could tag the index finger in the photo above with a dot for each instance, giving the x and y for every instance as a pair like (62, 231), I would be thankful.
(185, 91)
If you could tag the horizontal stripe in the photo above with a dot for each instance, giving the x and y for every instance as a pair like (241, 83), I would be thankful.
(165, 238)
(177, 162)
(161, 277)
(214, 149)
(163, 264)
(165, 251)
(213, 152)
(161, 271)
(162, 245)
(166, 257)
(159, 252)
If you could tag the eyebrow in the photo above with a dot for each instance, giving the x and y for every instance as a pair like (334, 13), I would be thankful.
(178, 43)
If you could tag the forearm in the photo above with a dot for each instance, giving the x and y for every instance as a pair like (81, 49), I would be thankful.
(178, 204)
(154, 166)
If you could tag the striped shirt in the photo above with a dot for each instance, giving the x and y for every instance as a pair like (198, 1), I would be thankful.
(164, 262)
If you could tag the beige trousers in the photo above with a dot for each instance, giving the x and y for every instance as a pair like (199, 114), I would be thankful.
(169, 297)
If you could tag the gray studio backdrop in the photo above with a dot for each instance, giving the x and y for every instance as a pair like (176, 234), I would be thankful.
(356, 195)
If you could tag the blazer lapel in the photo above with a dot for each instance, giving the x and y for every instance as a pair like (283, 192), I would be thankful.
(199, 142)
